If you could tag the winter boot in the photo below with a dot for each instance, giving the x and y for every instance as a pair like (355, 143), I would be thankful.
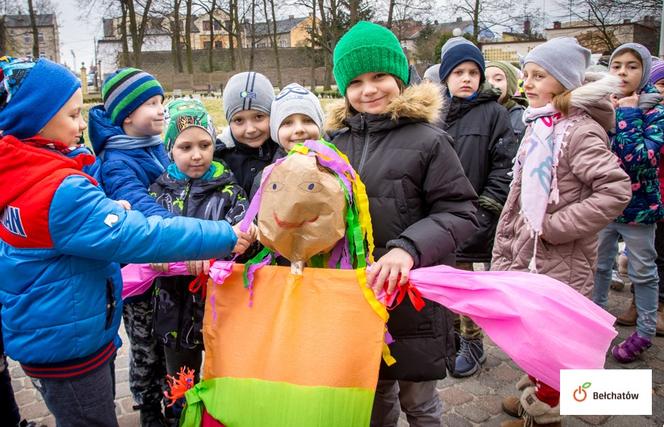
(660, 320)
(511, 404)
(630, 349)
(534, 412)
(628, 318)
(470, 357)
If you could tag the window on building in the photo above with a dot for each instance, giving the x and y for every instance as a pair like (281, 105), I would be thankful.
(206, 45)
(40, 37)
(218, 45)
(206, 25)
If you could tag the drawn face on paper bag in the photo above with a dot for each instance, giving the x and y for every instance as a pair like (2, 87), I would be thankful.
(302, 209)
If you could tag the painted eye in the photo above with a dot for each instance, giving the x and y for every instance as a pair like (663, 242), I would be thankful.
(274, 186)
(311, 187)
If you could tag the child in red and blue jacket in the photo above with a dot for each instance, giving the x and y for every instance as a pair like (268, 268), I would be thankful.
(60, 241)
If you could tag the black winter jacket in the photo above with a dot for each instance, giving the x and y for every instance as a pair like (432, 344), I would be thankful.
(486, 145)
(420, 201)
(245, 162)
(178, 313)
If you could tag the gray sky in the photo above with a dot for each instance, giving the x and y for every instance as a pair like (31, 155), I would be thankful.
(77, 33)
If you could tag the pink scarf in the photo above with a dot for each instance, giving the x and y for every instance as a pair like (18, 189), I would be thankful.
(536, 164)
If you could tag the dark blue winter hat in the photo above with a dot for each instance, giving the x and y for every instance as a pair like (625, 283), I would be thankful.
(455, 51)
(31, 93)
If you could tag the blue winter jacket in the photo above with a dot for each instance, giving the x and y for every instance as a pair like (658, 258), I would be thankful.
(60, 241)
(126, 173)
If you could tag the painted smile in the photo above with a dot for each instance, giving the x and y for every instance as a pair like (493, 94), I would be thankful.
(287, 225)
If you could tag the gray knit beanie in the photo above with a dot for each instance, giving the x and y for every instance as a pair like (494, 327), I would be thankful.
(564, 58)
(431, 73)
(294, 99)
(247, 91)
(644, 56)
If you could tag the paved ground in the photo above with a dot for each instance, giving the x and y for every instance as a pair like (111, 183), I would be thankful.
(468, 402)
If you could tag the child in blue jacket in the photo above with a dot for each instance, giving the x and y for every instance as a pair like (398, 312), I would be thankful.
(126, 135)
(60, 241)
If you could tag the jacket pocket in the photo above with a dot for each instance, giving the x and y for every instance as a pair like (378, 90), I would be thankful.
(110, 303)
(402, 203)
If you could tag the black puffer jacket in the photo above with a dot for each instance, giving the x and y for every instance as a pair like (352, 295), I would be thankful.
(486, 144)
(245, 162)
(178, 313)
(420, 201)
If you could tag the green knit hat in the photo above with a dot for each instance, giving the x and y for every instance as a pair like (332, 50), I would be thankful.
(183, 113)
(511, 73)
(368, 48)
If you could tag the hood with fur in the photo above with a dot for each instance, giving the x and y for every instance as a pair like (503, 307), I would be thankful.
(593, 98)
(422, 102)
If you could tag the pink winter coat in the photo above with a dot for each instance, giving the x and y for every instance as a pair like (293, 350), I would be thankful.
(594, 190)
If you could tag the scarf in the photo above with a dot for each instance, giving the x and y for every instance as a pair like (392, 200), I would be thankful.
(126, 142)
(536, 162)
(175, 172)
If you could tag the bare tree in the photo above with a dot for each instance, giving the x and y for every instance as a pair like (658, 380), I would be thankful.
(272, 33)
(136, 28)
(252, 50)
(187, 36)
(35, 32)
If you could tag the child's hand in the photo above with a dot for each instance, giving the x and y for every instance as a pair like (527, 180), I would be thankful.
(244, 240)
(125, 204)
(631, 101)
(161, 267)
(197, 267)
(396, 264)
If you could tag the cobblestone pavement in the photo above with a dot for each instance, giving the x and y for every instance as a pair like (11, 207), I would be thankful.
(473, 401)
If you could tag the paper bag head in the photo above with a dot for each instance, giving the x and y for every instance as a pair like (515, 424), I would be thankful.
(302, 211)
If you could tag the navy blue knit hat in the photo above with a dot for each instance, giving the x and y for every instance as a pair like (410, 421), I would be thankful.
(455, 51)
(125, 90)
(31, 93)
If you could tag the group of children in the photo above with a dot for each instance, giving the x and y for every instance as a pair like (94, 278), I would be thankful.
(457, 171)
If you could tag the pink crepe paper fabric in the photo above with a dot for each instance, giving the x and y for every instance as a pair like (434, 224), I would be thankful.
(541, 323)
(137, 278)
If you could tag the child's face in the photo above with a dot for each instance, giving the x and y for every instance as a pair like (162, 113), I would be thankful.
(250, 127)
(193, 151)
(297, 128)
(539, 85)
(496, 77)
(628, 67)
(464, 80)
(67, 125)
(660, 86)
(146, 120)
(372, 92)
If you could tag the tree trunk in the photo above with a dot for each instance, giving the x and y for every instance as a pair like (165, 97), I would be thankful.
(390, 14)
(123, 32)
(252, 50)
(238, 35)
(326, 39)
(231, 42)
(177, 45)
(354, 6)
(313, 47)
(275, 44)
(476, 21)
(210, 61)
(35, 33)
(187, 37)
(133, 30)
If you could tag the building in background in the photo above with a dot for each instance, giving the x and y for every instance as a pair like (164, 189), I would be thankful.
(16, 36)
(291, 32)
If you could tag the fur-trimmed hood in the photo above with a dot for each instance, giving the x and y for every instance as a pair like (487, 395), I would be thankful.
(593, 98)
(421, 102)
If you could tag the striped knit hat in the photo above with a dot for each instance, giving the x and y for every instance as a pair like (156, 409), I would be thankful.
(247, 91)
(125, 90)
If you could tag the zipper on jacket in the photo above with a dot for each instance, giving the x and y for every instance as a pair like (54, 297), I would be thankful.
(365, 148)
(187, 190)
(156, 160)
